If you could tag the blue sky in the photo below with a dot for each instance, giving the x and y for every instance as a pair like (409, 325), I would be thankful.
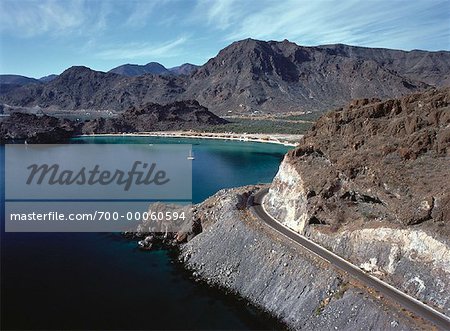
(40, 37)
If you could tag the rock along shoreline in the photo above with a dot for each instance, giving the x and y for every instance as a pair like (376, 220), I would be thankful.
(241, 255)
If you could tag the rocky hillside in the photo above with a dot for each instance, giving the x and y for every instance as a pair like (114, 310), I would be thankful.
(377, 172)
(242, 255)
(36, 129)
(83, 88)
(252, 75)
(182, 115)
(281, 76)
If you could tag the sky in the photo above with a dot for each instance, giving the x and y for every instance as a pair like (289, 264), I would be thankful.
(41, 37)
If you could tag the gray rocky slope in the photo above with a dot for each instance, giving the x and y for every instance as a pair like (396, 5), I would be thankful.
(240, 253)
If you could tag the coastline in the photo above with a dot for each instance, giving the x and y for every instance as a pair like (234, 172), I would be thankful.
(275, 275)
(272, 138)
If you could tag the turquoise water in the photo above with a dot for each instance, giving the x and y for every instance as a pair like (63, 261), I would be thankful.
(218, 163)
(101, 281)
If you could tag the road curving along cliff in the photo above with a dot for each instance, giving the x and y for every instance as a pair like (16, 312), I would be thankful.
(243, 255)
(371, 183)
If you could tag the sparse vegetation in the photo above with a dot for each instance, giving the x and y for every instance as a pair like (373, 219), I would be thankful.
(340, 292)
(313, 116)
(259, 126)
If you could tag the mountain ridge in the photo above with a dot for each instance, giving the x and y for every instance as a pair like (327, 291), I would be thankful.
(253, 75)
(153, 68)
(128, 69)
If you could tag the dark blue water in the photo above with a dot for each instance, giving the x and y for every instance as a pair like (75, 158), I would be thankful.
(101, 281)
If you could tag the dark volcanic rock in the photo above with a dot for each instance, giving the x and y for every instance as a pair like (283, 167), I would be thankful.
(253, 75)
(35, 129)
(154, 117)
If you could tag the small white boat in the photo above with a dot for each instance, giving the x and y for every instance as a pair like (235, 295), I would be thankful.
(191, 156)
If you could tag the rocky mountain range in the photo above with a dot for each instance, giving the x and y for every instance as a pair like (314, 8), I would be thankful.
(18, 80)
(251, 75)
(10, 82)
(153, 68)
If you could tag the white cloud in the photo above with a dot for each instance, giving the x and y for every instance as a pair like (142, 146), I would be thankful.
(397, 23)
(140, 13)
(30, 18)
(143, 50)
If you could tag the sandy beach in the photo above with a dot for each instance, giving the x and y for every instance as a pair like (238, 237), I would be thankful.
(282, 139)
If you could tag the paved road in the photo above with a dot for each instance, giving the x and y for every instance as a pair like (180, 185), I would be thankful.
(409, 303)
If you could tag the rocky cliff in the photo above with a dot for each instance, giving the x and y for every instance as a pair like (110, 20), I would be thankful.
(241, 254)
(371, 183)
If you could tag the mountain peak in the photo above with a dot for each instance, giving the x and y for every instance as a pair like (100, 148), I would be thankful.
(184, 69)
(131, 70)
(76, 71)
(78, 68)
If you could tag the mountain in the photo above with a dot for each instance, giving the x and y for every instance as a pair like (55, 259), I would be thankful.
(137, 70)
(282, 76)
(153, 68)
(17, 80)
(48, 78)
(10, 82)
(82, 88)
(184, 69)
(252, 75)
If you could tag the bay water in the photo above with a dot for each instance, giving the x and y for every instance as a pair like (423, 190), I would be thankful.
(102, 281)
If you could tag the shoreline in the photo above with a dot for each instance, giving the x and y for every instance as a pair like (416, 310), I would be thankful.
(272, 138)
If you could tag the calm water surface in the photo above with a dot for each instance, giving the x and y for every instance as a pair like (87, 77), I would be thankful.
(101, 281)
